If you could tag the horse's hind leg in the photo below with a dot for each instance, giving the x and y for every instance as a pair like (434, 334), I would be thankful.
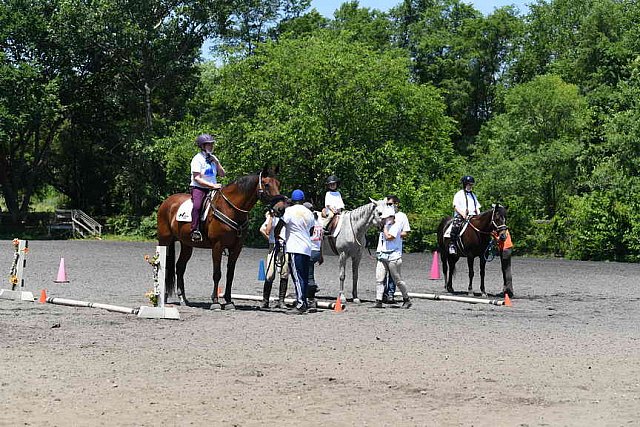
(483, 264)
(445, 270)
(470, 260)
(355, 265)
(181, 266)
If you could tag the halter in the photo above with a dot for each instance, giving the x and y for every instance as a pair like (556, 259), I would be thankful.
(496, 227)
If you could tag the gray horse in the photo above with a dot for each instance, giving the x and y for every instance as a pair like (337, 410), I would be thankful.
(350, 240)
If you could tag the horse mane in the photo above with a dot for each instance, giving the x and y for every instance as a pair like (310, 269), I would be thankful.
(361, 211)
(246, 183)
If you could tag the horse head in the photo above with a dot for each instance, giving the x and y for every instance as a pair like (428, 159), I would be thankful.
(269, 191)
(499, 220)
(380, 205)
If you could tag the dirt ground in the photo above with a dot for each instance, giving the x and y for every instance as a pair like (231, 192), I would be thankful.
(566, 353)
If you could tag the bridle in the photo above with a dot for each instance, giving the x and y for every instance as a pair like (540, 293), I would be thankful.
(495, 227)
(240, 227)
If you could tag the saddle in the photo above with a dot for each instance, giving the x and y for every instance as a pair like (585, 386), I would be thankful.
(184, 211)
(458, 242)
(332, 226)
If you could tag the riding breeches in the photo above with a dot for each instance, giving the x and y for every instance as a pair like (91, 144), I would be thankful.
(197, 196)
(393, 268)
(276, 263)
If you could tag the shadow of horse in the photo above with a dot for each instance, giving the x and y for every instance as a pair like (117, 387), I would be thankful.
(473, 243)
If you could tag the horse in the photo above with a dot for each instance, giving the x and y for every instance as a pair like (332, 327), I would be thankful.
(350, 238)
(224, 228)
(474, 242)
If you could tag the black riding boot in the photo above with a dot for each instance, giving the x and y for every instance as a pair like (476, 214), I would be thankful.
(455, 233)
(282, 293)
(266, 293)
(311, 297)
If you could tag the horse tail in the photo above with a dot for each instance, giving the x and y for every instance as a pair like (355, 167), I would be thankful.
(170, 269)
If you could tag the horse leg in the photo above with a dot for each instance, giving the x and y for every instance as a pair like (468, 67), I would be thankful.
(216, 256)
(483, 263)
(470, 260)
(355, 265)
(343, 266)
(445, 269)
(181, 265)
(231, 269)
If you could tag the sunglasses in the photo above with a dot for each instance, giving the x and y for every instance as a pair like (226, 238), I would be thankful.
(391, 204)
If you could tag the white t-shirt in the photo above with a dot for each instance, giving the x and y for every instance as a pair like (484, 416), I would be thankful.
(402, 219)
(463, 201)
(316, 237)
(333, 199)
(395, 245)
(274, 221)
(299, 221)
(207, 171)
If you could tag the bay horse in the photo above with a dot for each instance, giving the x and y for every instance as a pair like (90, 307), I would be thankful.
(223, 228)
(350, 239)
(473, 243)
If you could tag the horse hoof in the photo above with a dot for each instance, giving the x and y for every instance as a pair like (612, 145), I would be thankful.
(471, 294)
(229, 306)
(484, 295)
(356, 301)
(450, 290)
(216, 306)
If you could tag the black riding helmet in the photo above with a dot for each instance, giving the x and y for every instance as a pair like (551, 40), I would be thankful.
(332, 179)
(467, 179)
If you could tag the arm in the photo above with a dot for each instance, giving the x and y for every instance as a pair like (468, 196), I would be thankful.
(266, 226)
(197, 177)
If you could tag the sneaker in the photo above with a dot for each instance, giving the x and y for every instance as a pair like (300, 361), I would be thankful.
(313, 306)
(452, 249)
(280, 304)
(378, 304)
(196, 236)
(407, 303)
(265, 304)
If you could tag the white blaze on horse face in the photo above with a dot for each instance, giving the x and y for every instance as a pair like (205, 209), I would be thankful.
(379, 211)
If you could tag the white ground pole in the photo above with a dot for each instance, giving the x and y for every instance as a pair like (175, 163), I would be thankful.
(469, 300)
(12, 294)
(161, 311)
(321, 304)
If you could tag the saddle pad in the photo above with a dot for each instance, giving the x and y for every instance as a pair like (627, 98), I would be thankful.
(184, 211)
(337, 230)
(447, 231)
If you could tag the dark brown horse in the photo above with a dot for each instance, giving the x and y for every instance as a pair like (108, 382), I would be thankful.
(473, 243)
(223, 228)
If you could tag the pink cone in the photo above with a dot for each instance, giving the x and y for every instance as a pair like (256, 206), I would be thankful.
(435, 267)
(62, 274)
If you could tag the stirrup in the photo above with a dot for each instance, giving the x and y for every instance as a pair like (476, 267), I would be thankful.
(196, 236)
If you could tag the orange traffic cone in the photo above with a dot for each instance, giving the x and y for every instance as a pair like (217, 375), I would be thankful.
(43, 296)
(507, 300)
(62, 274)
(435, 267)
(338, 305)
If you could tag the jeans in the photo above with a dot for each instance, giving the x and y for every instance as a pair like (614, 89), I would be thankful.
(389, 287)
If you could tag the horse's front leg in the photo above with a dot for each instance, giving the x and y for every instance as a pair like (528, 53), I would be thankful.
(181, 266)
(470, 260)
(216, 256)
(343, 266)
(231, 269)
(355, 265)
(483, 264)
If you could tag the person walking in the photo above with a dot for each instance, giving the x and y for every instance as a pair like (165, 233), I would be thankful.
(389, 255)
(205, 169)
(298, 221)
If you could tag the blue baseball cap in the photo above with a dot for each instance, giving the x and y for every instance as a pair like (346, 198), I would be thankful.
(297, 195)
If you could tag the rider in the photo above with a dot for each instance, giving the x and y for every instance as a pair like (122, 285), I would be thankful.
(333, 203)
(205, 168)
(465, 204)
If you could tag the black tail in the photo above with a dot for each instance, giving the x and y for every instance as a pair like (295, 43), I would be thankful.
(170, 270)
